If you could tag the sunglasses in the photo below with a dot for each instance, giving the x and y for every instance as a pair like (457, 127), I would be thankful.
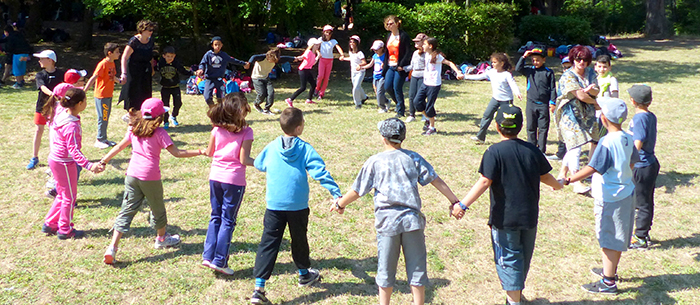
(579, 59)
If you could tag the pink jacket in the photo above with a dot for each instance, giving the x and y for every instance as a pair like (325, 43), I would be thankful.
(66, 139)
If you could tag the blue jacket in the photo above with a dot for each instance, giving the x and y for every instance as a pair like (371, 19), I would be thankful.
(287, 183)
(214, 64)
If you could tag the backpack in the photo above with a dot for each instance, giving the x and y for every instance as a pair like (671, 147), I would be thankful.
(482, 67)
(231, 86)
(286, 67)
(192, 86)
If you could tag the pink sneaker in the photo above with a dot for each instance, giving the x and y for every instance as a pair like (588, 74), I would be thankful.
(310, 102)
(289, 102)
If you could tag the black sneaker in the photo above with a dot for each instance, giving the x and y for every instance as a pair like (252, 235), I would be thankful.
(599, 272)
(639, 243)
(398, 116)
(258, 108)
(600, 287)
(358, 106)
(308, 279)
(48, 230)
(74, 234)
(259, 298)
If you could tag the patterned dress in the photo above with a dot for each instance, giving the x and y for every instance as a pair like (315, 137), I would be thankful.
(576, 121)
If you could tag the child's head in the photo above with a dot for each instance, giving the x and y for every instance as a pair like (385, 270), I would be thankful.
(273, 55)
(500, 62)
(313, 44)
(327, 32)
(231, 112)
(509, 121)
(145, 121)
(72, 76)
(354, 43)
(57, 95)
(537, 57)
(565, 63)
(580, 56)
(640, 95)
(75, 97)
(393, 130)
(216, 44)
(430, 45)
(392, 23)
(169, 54)
(378, 47)
(613, 111)
(602, 64)
(146, 27)
(112, 50)
(419, 42)
(292, 121)
(47, 59)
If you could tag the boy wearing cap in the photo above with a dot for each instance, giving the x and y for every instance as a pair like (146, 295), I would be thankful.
(512, 169)
(643, 127)
(286, 161)
(395, 175)
(212, 67)
(104, 77)
(541, 92)
(612, 188)
(377, 63)
(46, 80)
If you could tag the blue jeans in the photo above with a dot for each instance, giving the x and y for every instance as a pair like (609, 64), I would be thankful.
(225, 203)
(393, 85)
(512, 253)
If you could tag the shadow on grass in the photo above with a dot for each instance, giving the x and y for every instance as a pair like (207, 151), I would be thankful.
(673, 179)
(458, 117)
(664, 71)
(679, 242)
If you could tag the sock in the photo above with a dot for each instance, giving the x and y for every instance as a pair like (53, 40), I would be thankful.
(160, 238)
(260, 284)
(303, 271)
(609, 280)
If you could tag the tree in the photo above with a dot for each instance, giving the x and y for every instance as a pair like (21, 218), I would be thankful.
(656, 24)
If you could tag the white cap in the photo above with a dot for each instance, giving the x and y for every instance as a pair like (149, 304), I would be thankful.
(378, 44)
(313, 41)
(46, 54)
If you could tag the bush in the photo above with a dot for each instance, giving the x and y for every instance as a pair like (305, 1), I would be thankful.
(563, 30)
(369, 20)
(447, 22)
(687, 17)
(608, 17)
(490, 29)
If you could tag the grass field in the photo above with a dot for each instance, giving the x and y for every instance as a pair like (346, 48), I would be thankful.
(39, 269)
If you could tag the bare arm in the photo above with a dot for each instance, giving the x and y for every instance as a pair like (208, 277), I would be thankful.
(475, 192)
(181, 153)
(583, 96)
(582, 174)
(548, 179)
(366, 66)
(454, 68)
(210, 148)
(441, 186)
(245, 153)
(344, 201)
(123, 62)
(638, 144)
(340, 50)
(116, 149)
(90, 82)
(46, 90)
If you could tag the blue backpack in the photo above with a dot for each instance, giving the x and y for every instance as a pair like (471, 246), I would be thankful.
(231, 86)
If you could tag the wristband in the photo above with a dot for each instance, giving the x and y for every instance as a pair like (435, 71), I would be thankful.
(567, 181)
(103, 162)
(462, 206)
(337, 206)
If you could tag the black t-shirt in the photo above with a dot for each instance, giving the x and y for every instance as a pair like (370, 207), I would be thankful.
(50, 80)
(515, 167)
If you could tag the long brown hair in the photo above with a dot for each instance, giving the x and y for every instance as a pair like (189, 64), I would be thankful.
(143, 128)
(73, 97)
(230, 113)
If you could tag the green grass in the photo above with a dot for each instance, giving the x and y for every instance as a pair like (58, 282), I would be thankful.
(39, 269)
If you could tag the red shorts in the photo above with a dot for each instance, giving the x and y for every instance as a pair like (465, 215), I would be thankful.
(39, 119)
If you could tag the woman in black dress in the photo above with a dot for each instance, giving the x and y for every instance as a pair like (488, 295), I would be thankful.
(137, 70)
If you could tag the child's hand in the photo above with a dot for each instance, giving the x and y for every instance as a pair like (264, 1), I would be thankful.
(246, 66)
(460, 76)
(457, 211)
(336, 207)
(527, 53)
(96, 168)
(359, 68)
(552, 108)
(520, 97)
(200, 73)
(561, 184)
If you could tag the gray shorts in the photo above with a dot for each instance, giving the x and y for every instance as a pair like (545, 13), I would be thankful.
(614, 222)
(414, 253)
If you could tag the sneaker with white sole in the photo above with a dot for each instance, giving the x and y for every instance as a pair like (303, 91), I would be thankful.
(168, 241)
(33, 162)
(553, 158)
(580, 188)
(431, 131)
(309, 278)
(259, 298)
(477, 140)
(224, 270)
(110, 255)
(173, 120)
(311, 101)
(289, 102)
(599, 272)
(600, 287)
(410, 118)
(111, 143)
(101, 145)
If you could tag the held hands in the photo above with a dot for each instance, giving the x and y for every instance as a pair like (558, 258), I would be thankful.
(520, 97)
(246, 66)
(552, 108)
(460, 76)
(456, 211)
(200, 73)
(336, 207)
(122, 79)
(97, 168)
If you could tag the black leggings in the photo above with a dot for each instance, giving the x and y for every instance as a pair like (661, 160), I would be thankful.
(305, 76)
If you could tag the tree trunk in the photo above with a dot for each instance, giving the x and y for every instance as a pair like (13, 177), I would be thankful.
(195, 26)
(85, 41)
(656, 23)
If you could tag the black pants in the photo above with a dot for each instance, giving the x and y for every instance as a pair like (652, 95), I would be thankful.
(561, 150)
(264, 89)
(165, 94)
(644, 184)
(537, 124)
(305, 76)
(274, 225)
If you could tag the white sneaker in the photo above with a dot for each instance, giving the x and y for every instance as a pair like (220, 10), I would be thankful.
(125, 118)
(477, 140)
(110, 255)
(382, 110)
(168, 241)
(579, 188)
(410, 118)
(225, 270)
(101, 145)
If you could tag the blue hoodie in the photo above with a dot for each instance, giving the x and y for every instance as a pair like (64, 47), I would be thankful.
(287, 183)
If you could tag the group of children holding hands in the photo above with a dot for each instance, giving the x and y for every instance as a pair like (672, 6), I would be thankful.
(623, 166)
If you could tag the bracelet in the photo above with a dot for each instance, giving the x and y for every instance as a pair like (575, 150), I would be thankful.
(103, 162)
(567, 181)
(337, 206)
(462, 206)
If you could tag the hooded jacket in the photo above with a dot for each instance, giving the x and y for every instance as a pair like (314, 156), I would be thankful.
(66, 139)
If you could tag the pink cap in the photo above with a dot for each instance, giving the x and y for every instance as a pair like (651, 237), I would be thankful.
(327, 27)
(378, 44)
(61, 89)
(72, 76)
(355, 37)
(152, 108)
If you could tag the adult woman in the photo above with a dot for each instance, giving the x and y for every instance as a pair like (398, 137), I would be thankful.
(136, 66)
(398, 46)
(575, 112)
(325, 64)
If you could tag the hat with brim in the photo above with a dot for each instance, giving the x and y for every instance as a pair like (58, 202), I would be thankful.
(614, 109)
(393, 130)
(153, 108)
(378, 44)
(510, 117)
(328, 27)
(640, 93)
(46, 54)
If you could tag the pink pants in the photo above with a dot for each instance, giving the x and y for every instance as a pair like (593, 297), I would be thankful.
(61, 213)
(324, 73)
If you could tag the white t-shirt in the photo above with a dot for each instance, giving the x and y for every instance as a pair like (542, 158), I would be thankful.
(326, 48)
(432, 72)
(356, 60)
(502, 83)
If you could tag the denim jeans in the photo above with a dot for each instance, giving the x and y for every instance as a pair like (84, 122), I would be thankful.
(394, 80)
(225, 202)
(512, 253)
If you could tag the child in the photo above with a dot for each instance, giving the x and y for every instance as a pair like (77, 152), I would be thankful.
(142, 182)
(394, 175)
(541, 92)
(260, 77)
(503, 86)
(46, 80)
(309, 59)
(213, 67)
(612, 189)
(512, 169)
(169, 67)
(643, 129)
(229, 145)
(416, 68)
(18, 50)
(286, 160)
(357, 75)
(432, 81)
(66, 142)
(378, 79)
(607, 83)
(325, 64)
(104, 77)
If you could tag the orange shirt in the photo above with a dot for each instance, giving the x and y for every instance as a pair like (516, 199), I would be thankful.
(393, 48)
(104, 85)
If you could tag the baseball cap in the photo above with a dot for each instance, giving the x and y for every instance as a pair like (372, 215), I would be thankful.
(640, 93)
(327, 27)
(378, 44)
(72, 76)
(614, 109)
(46, 54)
(355, 37)
(152, 108)
(565, 60)
(510, 116)
(392, 129)
(61, 89)
(537, 51)
(215, 38)
(313, 41)
(420, 37)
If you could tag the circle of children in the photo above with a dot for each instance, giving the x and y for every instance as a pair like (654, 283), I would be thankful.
(623, 166)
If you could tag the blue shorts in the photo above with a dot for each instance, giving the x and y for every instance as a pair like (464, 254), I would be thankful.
(19, 67)
(512, 253)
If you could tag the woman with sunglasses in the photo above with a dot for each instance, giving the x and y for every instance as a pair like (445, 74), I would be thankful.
(399, 47)
(136, 67)
(575, 111)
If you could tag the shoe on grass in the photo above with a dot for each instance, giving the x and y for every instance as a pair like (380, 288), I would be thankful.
(639, 243)
(599, 272)
(33, 162)
(580, 188)
(173, 120)
(110, 255)
(258, 108)
(223, 270)
(48, 230)
(267, 112)
(259, 298)
(381, 110)
(431, 131)
(101, 145)
(600, 287)
(426, 125)
(168, 241)
(477, 140)
(311, 277)
(51, 194)
(553, 158)
(73, 234)
(126, 118)
(166, 125)
(312, 101)
(289, 102)
(410, 118)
